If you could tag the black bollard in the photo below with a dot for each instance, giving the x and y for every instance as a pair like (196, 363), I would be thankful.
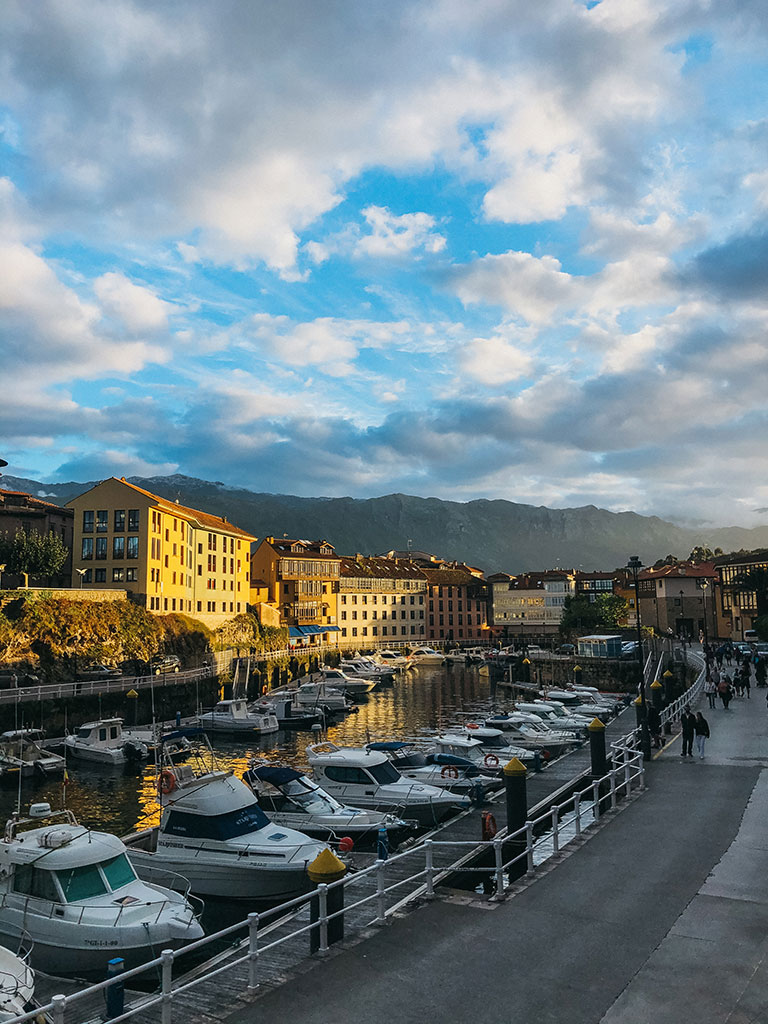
(598, 761)
(326, 868)
(516, 792)
(114, 995)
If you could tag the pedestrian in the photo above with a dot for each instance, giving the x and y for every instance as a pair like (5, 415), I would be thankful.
(654, 725)
(725, 691)
(746, 683)
(761, 673)
(701, 726)
(688, 726)
(710, 688)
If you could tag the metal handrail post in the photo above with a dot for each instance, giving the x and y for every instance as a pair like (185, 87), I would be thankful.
(498, 851)
(253, 952)
(529, 845)
(595, 800)
(322, 898)
(627, 773)
(167, 986)
(642, 776)
(429, 869)
(381, 896)
(577, 813)
(59, 1008)
(556, 829)
(613, 789)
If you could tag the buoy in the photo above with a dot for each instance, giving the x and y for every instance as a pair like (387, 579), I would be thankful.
(346, 844)
(326, 867)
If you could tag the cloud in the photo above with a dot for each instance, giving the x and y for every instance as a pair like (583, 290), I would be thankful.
(136, 307)
(495, 361)
(391, 235)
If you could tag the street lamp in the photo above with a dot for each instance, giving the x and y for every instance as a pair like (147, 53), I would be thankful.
(634, 566)
(81, 573)
(702, 584)
(2, 570)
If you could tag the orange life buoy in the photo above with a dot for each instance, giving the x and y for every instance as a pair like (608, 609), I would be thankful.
(491, 760)
(450, 771)
(472, 725)
(488, 825)
(167, 782)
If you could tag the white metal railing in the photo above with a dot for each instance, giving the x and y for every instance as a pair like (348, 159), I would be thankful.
(506, 858)
(94, 687)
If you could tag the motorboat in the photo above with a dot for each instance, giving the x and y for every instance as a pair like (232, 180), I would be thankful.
(213, 832)
(291, 798)
(321, 696)
(153, 739)
(339, 680)
(592, 695)
(72, 893)
(426, 656)
(103, 742)
(364, 668)
(232, 717)
(524, 732)
(576, 702)
(17, 984)
(577, 724)
(446, 771)
(288, 714)
(490, 761)
(21, 750)
(366, 778)
(394, 659)
(455, 658)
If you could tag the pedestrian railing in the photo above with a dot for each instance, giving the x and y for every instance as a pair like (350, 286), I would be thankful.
(384, 887)
(94, 687)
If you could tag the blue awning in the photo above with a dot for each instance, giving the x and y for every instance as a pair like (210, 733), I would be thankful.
(294, 632)
(310, 630)
(330, 629)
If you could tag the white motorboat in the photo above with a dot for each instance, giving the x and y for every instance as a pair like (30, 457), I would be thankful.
(489, 761)
(577, 703)
(552, 719)
(103, 742)
(232, 717)
(523, 731)
(426, 656)
(213, 832)
(446, 771)
(73, 894)
(339, 680)
(17, 984)
(455, 658)
(21, 750)
(365, 778)
(364, 668)
(321, 696)
(288, 714)
(393, 659)
(291, 798)
(176, 745)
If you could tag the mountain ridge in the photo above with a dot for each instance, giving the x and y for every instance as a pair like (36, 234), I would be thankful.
(492, 533)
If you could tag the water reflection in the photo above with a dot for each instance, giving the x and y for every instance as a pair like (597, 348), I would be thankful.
(416, 707)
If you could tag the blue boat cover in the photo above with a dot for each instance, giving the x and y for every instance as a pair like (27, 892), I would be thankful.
(275, 775)
(459, 762)
(179, 734)
(388, 745)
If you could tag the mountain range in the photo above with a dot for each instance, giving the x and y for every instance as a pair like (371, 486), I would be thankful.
(495, 535)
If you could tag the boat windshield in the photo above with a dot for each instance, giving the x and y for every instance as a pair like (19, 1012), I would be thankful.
(118, 871)
(221, 827)
(81, 883)
(308, 799)
(409, 759)
(385, 773)
(496, 742)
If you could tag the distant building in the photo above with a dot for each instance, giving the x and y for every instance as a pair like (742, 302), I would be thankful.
(381, 600)
(457, 610)
(529, 604)
(169, 558)
(301, 577)
(21, 511)
(674, 599)
(599, 645)
(592, 585)
(737, 603)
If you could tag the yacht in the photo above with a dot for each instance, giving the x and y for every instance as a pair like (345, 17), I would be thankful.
(291, 798)
(233, 717)
(73, 894)
(546, 713)
(321, 696)
(21, 750)
(394, 659)
(339, 680)
(213, 832)
(578, 703)
(426, 656)
(364, 668)
(366, 778)
(489, 761)
(17, 985)
(103, 742)
(446, 771)
(523, 731)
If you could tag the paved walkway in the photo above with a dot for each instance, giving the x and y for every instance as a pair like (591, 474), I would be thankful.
(662, 916)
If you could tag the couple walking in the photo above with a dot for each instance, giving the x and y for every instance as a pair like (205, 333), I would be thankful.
(693, 726)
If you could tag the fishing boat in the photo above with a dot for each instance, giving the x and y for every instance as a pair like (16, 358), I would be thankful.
(152, 738)
(73, 894)
(17, 984)
(234, 718)
(213, 832)
(291, 798)
(103, 742)
(366, 778)
(21, 750)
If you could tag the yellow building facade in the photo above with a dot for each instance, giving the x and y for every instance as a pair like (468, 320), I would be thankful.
(169, 558)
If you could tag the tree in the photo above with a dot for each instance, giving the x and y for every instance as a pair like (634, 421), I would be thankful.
(579, 616)
(33, 554)
(761, 627)
(612, 610)
(701, 553)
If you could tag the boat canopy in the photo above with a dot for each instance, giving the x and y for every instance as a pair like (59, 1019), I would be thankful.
(387, 745)
(454, 759)
(179, 734)
(275, 775)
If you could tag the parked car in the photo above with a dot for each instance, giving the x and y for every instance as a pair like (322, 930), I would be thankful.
(166, 663)
(99, 671)
(566, 649)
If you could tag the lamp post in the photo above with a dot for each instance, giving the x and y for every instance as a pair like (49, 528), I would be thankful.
(702, 584)
(634, 566)
(2, 570)
(81, 573)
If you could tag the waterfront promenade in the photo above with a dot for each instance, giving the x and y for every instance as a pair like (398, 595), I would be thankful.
(661, 916)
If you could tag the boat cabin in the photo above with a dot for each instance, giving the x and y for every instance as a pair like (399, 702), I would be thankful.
(106, 734)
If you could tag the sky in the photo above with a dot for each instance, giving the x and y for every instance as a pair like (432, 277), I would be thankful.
(490, 249)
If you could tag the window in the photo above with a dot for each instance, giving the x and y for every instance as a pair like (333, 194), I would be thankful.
(118, 872)
(119, 520)
(81, 883)
(35, 882)
(385, 773)
(132, 575)
(101, 547)
(118, 547)
(118, 575)
(87, 551)
(347, 776)
(88, 578)
(133, 548)
(88, 522)
(102, 521)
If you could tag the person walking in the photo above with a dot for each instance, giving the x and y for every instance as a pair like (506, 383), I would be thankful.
(710, 688)
(688, 726)
(725, 691)
(701, 727)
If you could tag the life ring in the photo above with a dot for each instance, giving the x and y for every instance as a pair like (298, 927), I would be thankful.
(491, 760)
(489, 827)
(472, 725)
(450, 771)
(166, 782)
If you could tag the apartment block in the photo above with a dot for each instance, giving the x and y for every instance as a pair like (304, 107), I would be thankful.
(22, 511)
(169, 558)
(457, 603)
(531, 603)
(381, 600)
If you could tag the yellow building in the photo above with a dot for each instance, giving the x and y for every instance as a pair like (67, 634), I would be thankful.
(168, 557)
(301, 577)
(381, 600)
